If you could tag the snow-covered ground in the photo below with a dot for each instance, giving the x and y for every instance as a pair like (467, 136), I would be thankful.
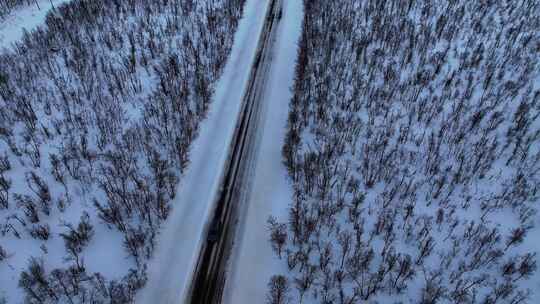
(367, 118)
(171, 268)
(253, 261)
(29, 17)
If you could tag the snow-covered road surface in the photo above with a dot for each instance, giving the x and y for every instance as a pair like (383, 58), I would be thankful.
(171, 268)
(252, 260)
(207, 284)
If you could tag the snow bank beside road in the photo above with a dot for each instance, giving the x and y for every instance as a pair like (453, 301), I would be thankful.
(181, 238)
(253, 261)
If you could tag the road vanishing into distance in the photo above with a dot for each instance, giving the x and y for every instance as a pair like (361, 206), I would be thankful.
(210, 271)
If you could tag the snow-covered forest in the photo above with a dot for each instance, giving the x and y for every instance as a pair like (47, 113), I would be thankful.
(98, 108)
(413, 147)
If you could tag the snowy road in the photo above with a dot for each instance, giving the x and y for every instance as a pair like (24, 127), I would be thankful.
(170, 270)
(264, 186)
(252, 262)
(207, 285)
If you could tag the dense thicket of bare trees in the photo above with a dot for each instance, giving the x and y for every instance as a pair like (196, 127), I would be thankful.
(97, 112)
(413, 146)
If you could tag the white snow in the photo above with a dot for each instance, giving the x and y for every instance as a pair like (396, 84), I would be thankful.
(104, 254)
(253, 261)
(29, 17)
(174, 260)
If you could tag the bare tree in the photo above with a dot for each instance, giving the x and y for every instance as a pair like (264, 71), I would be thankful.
(278, 290)
(278, 235)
